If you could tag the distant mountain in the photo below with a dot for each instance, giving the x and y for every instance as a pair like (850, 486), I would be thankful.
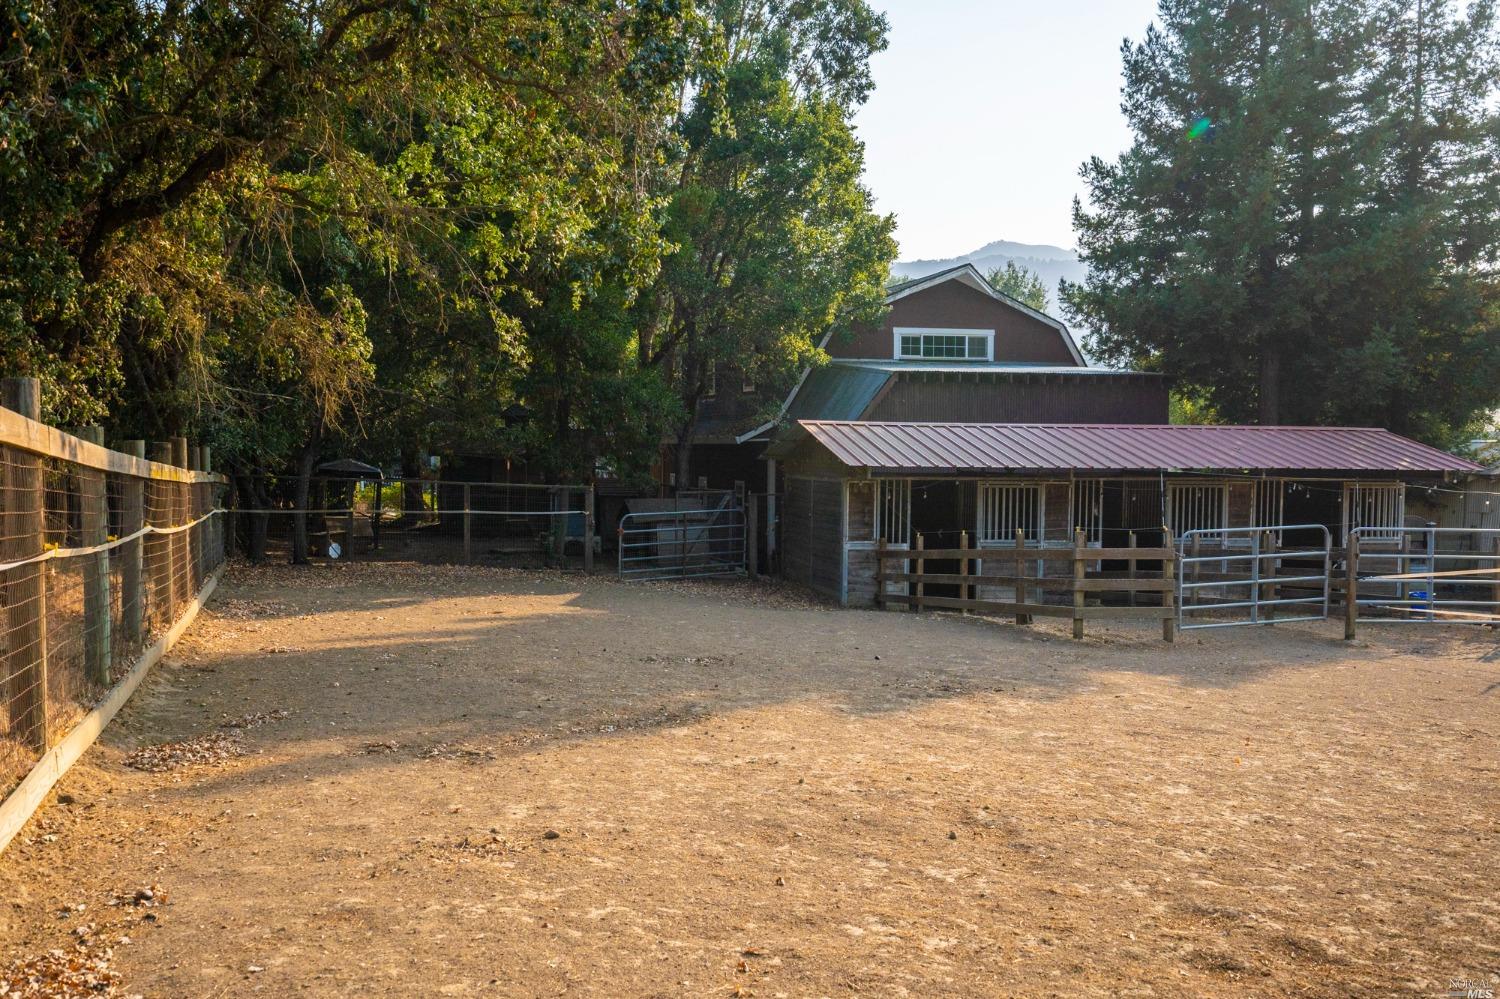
(1052, 263)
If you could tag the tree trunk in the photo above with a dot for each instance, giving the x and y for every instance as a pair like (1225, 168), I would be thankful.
(257, 501)
(305, 464)
(1269, 396)
(412, 505)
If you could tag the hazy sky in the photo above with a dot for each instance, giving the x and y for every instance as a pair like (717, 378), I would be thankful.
(983, 111)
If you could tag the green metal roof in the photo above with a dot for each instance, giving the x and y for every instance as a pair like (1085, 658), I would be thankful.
(837, 392)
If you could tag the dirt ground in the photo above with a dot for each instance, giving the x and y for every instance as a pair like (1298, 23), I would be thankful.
(498, 783)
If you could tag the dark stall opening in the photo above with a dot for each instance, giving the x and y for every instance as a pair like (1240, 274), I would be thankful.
(941, 511)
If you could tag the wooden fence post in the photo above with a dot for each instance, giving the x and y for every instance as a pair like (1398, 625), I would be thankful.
(880, 573)
(920, 592)
(26, 586)
(1020, 586)
(94, 506)
(468, 525)
(181, 557)
(1130, 573)
(752, 535)
(132, 519)
(963, 569)
(1169, 595)
(159, 552)
(1351, 587)
(1078, 574)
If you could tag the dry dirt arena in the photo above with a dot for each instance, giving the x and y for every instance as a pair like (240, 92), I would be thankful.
(477, 782)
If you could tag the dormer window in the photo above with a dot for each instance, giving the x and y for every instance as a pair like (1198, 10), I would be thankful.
(944, 344)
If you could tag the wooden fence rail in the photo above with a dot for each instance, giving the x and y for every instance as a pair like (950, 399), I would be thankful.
(1027, 578)
(104, 557)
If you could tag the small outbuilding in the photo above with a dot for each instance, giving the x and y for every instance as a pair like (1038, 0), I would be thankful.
(852, 485)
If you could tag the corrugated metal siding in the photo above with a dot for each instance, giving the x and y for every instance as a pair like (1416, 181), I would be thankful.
(907, 448)
(986, 397)
(812, 534)
(836, 392)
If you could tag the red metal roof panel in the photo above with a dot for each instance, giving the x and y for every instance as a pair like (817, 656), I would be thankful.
(1008, 447)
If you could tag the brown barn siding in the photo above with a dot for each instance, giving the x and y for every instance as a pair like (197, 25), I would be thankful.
(937, 397)
(1241, 498)
(954, 305)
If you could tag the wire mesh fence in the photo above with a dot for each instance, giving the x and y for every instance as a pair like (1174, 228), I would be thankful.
(420, 520)
(100, 553)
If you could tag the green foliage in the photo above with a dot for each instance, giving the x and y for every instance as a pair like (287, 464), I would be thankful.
(391, 229)
(1019, 283)
(776, 243)
(1306, 227)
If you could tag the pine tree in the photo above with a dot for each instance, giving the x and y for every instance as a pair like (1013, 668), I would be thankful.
(1255, 241)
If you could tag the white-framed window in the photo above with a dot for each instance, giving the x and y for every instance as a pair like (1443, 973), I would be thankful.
(1088, 509)
(1197, 506)
(893, 511)
(1379, 507)
(915, 343)
(711, 383)
(1270, 502)
(747, 384)
(1005, 508)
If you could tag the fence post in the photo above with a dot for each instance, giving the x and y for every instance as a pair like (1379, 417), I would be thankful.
(1078, 574)
(94, 507)
(880, 572)
(1273, 589)
(349, 524)
(468, 525)
(589, 529)
(963, 569)
(921, 563)
(1351, 587)
(752, 534)
(26, 586)
(1020, 585)
(1130, 572)
(159, 559)
(132, 519)
(1169, 594)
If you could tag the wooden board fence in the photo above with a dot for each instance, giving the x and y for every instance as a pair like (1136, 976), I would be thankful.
(1076, 590)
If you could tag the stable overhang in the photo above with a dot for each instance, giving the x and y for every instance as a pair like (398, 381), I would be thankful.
(1009, 448)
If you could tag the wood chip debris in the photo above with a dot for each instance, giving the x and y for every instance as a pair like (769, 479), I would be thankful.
(216, 747)
(255, 719)
(82, 970)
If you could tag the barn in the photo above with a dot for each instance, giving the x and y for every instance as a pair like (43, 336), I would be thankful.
(853, 485)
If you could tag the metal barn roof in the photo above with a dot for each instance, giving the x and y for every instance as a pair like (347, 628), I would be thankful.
(953, 448)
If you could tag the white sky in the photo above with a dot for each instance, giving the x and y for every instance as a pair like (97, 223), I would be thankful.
(983, 112)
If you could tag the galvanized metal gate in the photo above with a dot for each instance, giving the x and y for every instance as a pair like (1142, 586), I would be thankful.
(683, 544)
(1236, 576)
(1426, 575)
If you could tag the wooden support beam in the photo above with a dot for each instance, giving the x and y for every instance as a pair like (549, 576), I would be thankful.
(1079, 571)
(917, 603)
(1351, 589)
(963, 570)
(1169, 595)
(1020, 584)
